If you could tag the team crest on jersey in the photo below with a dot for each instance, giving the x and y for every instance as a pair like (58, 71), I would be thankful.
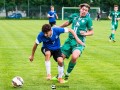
(83, 21)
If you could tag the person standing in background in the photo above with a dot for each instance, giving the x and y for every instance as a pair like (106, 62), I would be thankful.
(98, 16)
(114, 16)
(52, 15)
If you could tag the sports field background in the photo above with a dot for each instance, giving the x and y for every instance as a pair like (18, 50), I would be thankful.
(97, 69)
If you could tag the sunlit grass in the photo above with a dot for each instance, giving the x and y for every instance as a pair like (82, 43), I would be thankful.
(97, 69)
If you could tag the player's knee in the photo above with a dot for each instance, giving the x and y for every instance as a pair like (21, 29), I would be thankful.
(60, 61)
(47, 54)
(75, 56)
(73, 60)
(63, 56)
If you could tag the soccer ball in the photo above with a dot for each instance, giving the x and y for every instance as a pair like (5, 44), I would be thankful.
(53, 87)
(17, 81)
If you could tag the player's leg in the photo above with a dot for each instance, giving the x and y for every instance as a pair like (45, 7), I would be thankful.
(57, 55)
(66, 52)
(53, 23)
(60, 69)
(48, 64)
(114, 31)
(50, 23)
(47, 54)
(76, 53)
(112, 36)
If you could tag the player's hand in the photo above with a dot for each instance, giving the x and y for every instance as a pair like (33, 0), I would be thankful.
(80, 42)
(83, 44)
(82, 33)
(117, 18)
(31, 58)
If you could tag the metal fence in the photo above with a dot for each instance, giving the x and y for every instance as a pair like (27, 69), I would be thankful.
(31, 12)
(34, 11)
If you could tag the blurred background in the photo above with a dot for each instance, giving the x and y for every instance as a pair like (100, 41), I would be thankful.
(37, 9)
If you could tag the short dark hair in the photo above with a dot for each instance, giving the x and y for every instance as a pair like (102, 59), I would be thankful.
(46, 28)
(115, 5)
(85, 4)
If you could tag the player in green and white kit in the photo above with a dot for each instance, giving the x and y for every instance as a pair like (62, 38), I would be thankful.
(82, 25)
(114, 16)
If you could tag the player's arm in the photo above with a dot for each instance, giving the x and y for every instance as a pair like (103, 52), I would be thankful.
(117, 18)
(70, 20)
(88, 33)
(49, 16)
(74, 34)
(56, 16)
(33, 51)
(67, 23)
(109, 17)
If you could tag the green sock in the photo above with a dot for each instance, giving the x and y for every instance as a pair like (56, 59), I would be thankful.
(113, 36)
(70, 67)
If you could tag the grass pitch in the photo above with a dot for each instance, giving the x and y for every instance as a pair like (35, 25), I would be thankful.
(97, 69)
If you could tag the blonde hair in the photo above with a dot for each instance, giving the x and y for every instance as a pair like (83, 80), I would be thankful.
(51, 6)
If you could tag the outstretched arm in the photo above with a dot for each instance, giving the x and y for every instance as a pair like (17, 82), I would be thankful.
(117, 18)
(76, 37)
(65, 24)
(56, 16)
(109, 17)
(88, 33)
(33, 52)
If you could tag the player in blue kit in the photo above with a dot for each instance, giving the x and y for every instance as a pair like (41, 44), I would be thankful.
(51, 47)
(52, 15)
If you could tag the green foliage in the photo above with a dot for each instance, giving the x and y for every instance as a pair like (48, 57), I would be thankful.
(110, 3)
(10, 5)
(1, 3)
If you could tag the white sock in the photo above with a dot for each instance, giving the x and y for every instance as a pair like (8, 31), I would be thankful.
(48, 66)
(60, 71)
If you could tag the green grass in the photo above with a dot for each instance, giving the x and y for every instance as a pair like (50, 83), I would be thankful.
(97, 69)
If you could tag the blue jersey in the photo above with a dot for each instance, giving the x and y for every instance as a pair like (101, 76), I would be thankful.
(53, 42)
(52, 13)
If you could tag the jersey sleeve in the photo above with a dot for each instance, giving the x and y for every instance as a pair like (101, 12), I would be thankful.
(110, 14)
(89, 24)
(71, 17)
(59, 30)
(49, 12)
(119, 15)
(39, 38)
(66, 29)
